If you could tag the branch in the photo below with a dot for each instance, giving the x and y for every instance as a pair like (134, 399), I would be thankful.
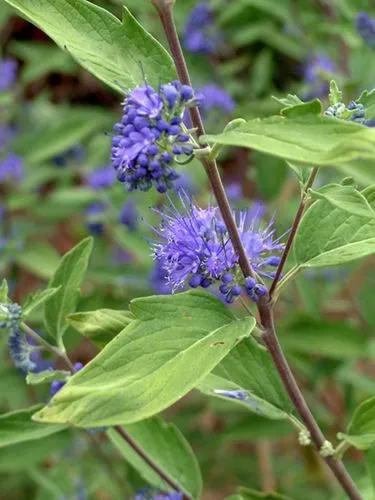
(293, 231)
(154, 466)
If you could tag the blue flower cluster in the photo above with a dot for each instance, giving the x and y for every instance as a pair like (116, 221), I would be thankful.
(19, 348)
(95, 218)
(57, 385)
(150, 136)
(212, 96)
(201, 36)
(194, 249)
(354, 111)
(318, 71)
(148, 494)
(11, 168)
(101, 178)
(129, 215)
(366, 28)
(8, 73)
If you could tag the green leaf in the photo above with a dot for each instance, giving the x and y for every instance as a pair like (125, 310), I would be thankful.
(313, 107)
(46, 376)
(68, 128)
(40, 258)
(289, 101)
(345, 197)
(17, 427)
(172, 345)
(335, 95)
(329, 236)
(250, 367)
(69, 276)
(249, 494)
(21, 456)
(121, 54)
(361, 429)
(214, 385)
(309, 140)
(4, 292)
(41, 58)
(100, 326)
(332, 339)
(370, 461)
(167, 447)
(38, 298)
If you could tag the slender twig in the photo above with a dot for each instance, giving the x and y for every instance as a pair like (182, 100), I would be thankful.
(154, 466)
(165, 11)
(49, 347)
(293, 231)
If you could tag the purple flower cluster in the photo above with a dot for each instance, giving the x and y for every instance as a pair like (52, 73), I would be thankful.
(366, 28)
(95, 217)
(101, 178)
(8, 73)
(213, 97)
(20, 349)
(11, 168)
(354, 111)
(129, 215)
(317, 73)
(200, 34)
(195, 250)
(57, 385)
(150, 136)
(147, 494)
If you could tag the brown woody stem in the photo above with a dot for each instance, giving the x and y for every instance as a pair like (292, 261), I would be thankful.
(165, 11)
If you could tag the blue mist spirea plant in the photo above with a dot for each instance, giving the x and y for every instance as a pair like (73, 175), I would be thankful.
(317, 73)
(101, 178)
(150, 136)
(194, 249)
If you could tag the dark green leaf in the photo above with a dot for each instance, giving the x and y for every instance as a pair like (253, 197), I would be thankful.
(361, 429)
(69, 276)
(17, 427)
(167, 447)
(122, 54)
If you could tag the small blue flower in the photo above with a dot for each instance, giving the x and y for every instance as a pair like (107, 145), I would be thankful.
(366, 28)
(148, 494)
(318, 71)
(213, 97)
(194, 249)
(158, 280)
(74, 154)
(11, 168)
(201, 36)
(239, 395)
(57, 385)
(129, 215)
(21, 351)
(95, 218)
(6, 135)
(101, 178)
(8, 73)
(151, 135)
